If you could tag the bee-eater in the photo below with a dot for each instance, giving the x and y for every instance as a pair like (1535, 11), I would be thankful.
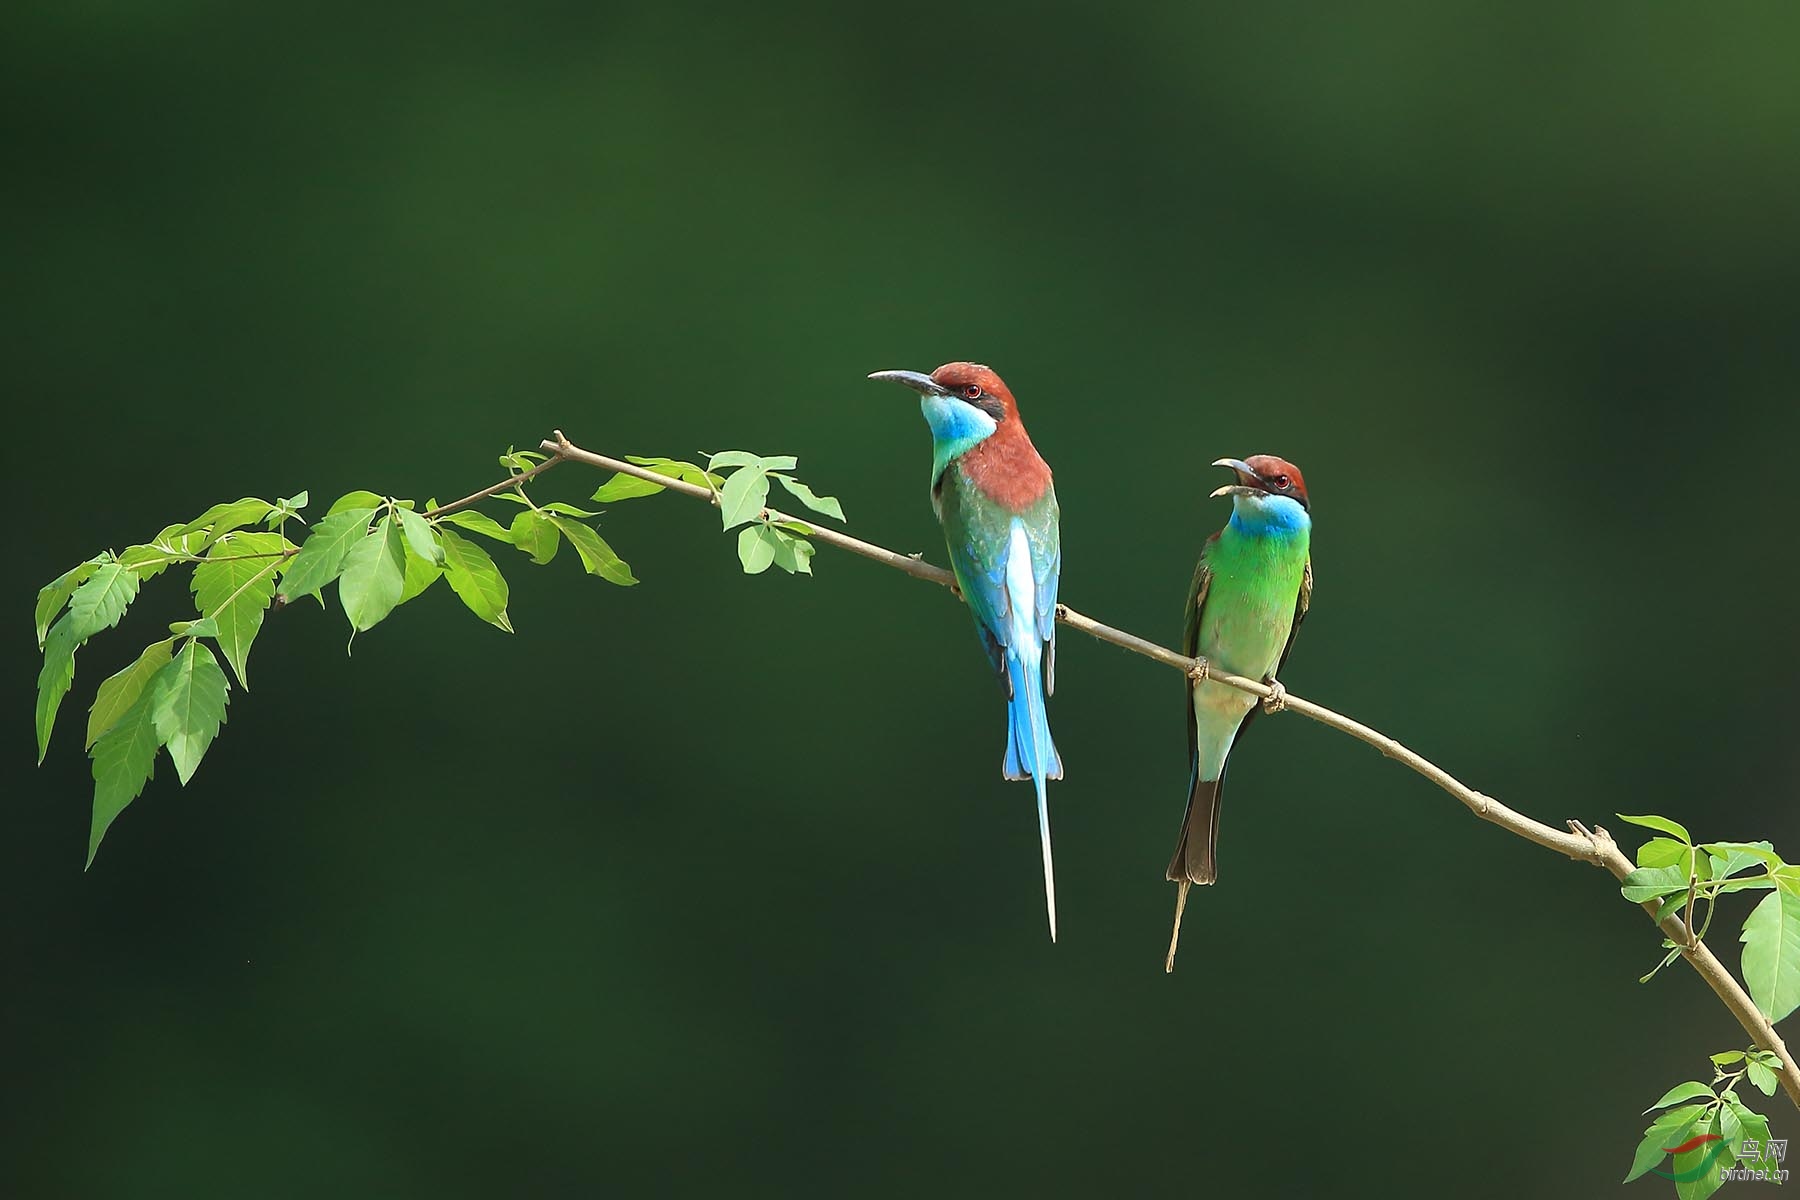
(992, 494)
(1250, 592)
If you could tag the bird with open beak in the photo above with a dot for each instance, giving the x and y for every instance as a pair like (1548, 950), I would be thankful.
(1250, 592)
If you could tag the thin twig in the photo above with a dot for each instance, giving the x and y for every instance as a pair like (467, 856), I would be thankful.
(1594, 846)
(510, 481)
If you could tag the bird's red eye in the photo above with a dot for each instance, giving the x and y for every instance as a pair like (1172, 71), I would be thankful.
(1282, 482)
(972, 391)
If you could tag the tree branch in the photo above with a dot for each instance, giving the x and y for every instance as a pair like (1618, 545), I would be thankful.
(1578, 842)
(511, 481)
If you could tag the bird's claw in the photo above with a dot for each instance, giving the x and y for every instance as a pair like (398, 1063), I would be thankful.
(1199, 671)
(1277, 697)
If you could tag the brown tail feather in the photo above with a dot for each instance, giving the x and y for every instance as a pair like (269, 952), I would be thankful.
(1194, 860)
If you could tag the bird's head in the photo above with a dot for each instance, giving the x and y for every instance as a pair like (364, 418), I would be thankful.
(963, 402)
(1269, 490)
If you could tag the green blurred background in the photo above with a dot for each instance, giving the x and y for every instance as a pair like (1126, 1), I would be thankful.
(713, 882)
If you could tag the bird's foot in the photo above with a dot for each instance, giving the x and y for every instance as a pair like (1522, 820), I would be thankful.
(1199, 671)
(1277, 697)
(956, 590)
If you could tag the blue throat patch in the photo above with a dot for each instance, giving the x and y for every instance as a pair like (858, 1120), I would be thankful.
(956, 428)
(1269, 516)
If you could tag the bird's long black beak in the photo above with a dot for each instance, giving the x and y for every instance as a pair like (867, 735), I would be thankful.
(918, 382)
(1245, 472)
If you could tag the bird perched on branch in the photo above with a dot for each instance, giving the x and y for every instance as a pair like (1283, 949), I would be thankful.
(1250, 592)
(992, 494)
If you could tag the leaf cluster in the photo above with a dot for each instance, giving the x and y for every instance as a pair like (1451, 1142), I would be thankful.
(380, 552)
(1695, 1110)
(740, 483)
(1681, 875)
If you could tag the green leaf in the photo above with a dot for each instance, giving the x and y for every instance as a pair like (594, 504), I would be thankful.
(1771, 940)
(374, 576)
(1701, 1163)
(1751, 1125)
(350, 501)
(792, 554)
(234, 591)
(596, 555)
(295, 502)
(567, 510)
(754, 462)
(100, 601)
(1732, 862)
(1660, 824)
(1725, 1058)
(1669, 1129)
(1674, 952)
(536, 535)
(221, 519)
(123, 759)
(1663, 852)
(1788, 879)
(521, 460)
(481, 523)
(121, 691)
(1670, 906)
(53, 595)
(1764, 1079)
(321, 557)
(420, 574)
(54, 679)
(1647, 883)
(824, 504)
(420, 537)
(1744, 883)
(743, 496)
(686, 471)
(169, 546)
(1693, 1089)
(1745, 852)
(204, 627)
(625, 487)
(473, 576)
(756, 548)
(187, 704)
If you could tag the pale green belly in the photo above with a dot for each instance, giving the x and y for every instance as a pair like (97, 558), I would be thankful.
(1243, 628)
